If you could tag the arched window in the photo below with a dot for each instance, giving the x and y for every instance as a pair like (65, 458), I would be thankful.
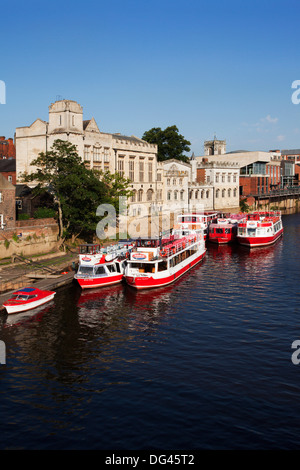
(133, 197)
(207, 194)
(168, 181)
(234, 192)
(149, 194)
(140, 195)
(202, 194)
(169, 196)
(181, 195)
(229, 192)
(175, 195)
(218, 193)
(223, 192)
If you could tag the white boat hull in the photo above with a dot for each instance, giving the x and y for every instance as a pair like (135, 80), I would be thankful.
(28, 306)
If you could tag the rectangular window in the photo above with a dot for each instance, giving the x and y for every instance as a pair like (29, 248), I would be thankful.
(86, 153)
(96, 154)
(150, 172)
(121, 167)
(131, 170)
(106, 154)
(141, 174)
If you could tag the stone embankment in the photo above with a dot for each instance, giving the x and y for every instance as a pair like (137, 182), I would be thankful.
(49, 274)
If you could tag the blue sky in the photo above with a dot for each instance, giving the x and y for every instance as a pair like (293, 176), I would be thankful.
(222, 67)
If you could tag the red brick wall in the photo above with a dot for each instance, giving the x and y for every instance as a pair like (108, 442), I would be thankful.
(7, 148)
(6, 174)
(200, 175)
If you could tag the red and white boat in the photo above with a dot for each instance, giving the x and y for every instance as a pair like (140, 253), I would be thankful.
(195, 222)
(156, 263)
(102, 266)
(224, 230)
(27, 298)
(260, 229)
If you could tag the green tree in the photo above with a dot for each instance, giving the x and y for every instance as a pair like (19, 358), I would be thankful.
(170, 144)
(77, 191)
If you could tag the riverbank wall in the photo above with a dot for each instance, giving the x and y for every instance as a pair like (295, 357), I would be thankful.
(29, 238)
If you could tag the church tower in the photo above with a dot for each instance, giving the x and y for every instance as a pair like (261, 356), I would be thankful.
(214, 147)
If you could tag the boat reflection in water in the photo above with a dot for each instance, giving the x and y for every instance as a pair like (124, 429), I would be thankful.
(134, 309)
(23, 318)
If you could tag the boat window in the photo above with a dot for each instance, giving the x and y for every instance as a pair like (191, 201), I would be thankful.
(118, 267)
(22, 297)
(162, 266)
(31, 296)
(219, 230)
(111, 268)
(86, 269)
(251, 231)
(227, 230)
(144, 267)
(100, 270)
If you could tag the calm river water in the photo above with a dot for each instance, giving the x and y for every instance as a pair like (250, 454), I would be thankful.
(205, 363)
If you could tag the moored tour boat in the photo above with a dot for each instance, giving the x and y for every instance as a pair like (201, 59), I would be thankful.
(157, 263)
(260, 229)
(102, 266)
(224, 230)
(27, 298)
(197, 222)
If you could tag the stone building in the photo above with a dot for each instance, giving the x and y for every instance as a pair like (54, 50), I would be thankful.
(214, 147)
(220, 181)
(131, 157)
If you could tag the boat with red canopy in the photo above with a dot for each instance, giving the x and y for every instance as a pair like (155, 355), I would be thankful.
(260, 229)
(159, 262)
(27, 298)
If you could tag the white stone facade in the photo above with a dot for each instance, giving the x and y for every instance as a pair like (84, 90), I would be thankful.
(158, 187)
(130, 156)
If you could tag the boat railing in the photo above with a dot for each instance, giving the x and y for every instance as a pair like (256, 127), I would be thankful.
(178, 245)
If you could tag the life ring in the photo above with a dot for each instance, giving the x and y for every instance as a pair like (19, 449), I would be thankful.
(127, 254)
(163, 253)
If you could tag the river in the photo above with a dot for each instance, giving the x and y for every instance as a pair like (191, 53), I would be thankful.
(205, 363)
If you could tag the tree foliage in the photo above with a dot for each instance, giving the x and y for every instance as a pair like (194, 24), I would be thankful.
(77, 191)
(170, 143)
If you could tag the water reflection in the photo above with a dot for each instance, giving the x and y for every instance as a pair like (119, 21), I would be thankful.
(23, 318)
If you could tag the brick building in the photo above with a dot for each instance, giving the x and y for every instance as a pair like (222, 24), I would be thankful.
(7, 148)
(8, 169)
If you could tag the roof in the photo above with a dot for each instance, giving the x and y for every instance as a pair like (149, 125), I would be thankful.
(7, 164)
(131, 138)
(290, 152)
(86, 123)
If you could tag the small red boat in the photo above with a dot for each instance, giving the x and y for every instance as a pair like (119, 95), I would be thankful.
(27, 298)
